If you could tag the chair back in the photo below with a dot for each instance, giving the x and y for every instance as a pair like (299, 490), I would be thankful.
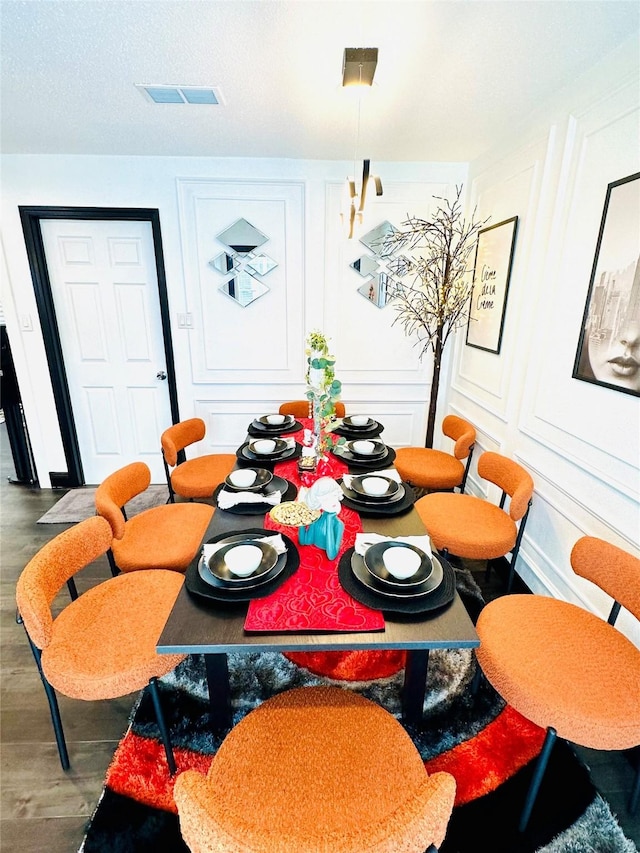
(615, 571)
(512, 478)
(117, 490)
(462, 432)
(181, 435)
(53, 565)
(300, 409)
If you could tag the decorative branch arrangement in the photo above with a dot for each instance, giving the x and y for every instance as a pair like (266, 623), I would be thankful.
(323, 389)
(436, 303)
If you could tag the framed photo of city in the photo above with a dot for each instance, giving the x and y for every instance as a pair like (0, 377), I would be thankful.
(609, 347)
(492, 271)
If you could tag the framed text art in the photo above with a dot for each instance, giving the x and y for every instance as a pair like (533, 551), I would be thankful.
(491, 274)
(609, 346)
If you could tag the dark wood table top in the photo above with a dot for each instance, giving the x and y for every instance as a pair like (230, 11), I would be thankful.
(195, 626)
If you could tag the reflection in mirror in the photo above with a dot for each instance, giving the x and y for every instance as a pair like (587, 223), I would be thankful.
(244, 288)
(378, 290)
(261, 264)
(399, 266)
(375, 239)
(366, 265)
(224, 262)
(242, 237)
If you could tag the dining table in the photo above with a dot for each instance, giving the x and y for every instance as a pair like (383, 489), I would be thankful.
(213, 627)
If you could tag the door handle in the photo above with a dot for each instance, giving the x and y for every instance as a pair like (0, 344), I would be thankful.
(161, 375)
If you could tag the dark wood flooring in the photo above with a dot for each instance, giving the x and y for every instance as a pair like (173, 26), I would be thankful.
(41, 807)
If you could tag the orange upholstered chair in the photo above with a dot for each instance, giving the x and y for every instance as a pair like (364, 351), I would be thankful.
(436, 470)
(164, 537)
(474, 528)
(300, 409)
(102, 644)
(192, 478)
(564, 668)
(315, 769)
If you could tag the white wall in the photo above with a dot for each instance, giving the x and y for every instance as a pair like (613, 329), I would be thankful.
(579, 441)
(297, 204)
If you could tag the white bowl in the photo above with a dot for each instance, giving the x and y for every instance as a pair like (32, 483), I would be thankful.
(360, 420)
(264, 445)
(375, 486)
(243, 478)
(243, 560)
(402, 563)
(364, 447)
(275, 419)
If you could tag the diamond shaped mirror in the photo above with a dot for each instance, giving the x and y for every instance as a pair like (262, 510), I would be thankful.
(242, 237)
(244, 288)
(378, 290)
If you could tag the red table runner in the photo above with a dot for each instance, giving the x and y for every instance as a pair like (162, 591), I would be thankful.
(313, 599)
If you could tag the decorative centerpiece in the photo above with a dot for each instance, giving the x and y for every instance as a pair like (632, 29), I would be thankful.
(325, 532)
(323, 389)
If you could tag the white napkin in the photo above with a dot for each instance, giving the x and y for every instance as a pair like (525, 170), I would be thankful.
(364, 540)
(276, 542)
(228, 499)
(391, 473)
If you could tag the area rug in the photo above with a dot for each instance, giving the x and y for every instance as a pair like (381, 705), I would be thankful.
(78, 504)
(488, 747)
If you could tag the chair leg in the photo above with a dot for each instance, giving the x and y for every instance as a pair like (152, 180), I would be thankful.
(54, 710)
(534, 787)
(635, 793)
(164, 731)
(115, 571)
(73, 591)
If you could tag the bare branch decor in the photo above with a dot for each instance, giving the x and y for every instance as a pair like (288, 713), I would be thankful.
(436, 303)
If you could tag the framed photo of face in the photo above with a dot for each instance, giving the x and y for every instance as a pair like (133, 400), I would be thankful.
(608, 351)
(492, 271)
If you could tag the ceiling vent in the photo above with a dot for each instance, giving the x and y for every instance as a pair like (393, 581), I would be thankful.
(170, 94)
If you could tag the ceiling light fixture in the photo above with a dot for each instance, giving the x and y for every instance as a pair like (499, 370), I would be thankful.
(160, 93)
(358, 68)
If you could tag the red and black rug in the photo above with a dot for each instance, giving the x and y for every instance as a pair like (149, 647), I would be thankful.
(487, 746)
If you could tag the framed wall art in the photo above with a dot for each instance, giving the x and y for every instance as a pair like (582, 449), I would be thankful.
(609, 346)
(491, 274)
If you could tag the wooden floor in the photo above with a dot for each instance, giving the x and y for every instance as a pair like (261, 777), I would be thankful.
(41, 807)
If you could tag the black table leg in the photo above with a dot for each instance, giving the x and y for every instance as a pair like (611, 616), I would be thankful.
(219, 692)
(415, 685)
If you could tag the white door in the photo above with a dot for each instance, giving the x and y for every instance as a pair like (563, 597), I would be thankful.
(105, 291)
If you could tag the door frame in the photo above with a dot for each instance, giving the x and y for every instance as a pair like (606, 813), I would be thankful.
(31, 217)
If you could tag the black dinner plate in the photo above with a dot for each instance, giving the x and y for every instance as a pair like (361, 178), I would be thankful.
(362, 463)
(280, 445)
(371, 431)
(348, 422)
(397, 496)
(263, 478)
(246, 457)
(258, 430)
(358, 488)
(216, 572)
(198, 588)
(371, 509)
(276, 484)
(374, 563)
(364, 592)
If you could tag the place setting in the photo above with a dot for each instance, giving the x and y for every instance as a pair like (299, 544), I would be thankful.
(268, 426)
(253, 491)
(365, 454)
(379, 494)
(359, 426)
(268, 451)
(241, 566)
(400, 576)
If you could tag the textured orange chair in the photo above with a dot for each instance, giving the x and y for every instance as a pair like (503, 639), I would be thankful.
(102, 644)
(474, 528)
(436, 470)
(566, 669)
(315, 769)
(165, 537)
(192, 478)
(300, 409)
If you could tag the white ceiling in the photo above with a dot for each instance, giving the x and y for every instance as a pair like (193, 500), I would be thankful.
(453, 76)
